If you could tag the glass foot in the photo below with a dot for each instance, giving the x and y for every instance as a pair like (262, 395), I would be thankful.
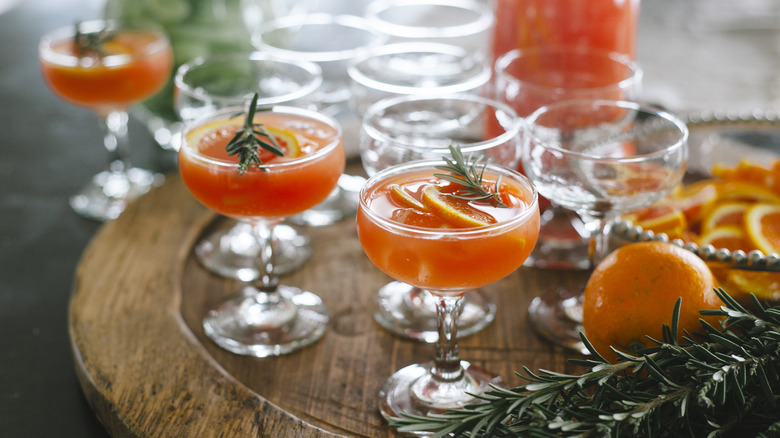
(252, 325)
(411, 390)
(233, 253)
(108, 194)
(562, 243)
(411, 312)
(340, 204)
(557, 317)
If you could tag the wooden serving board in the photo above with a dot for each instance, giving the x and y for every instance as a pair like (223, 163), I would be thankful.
(148, 370)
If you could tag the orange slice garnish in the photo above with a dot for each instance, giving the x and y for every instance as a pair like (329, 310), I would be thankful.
(415, 218)
(286, 140)
(112, 48)
(455, 211)
(403, 198)
(762, 222)
(728, 236)
(221, 131)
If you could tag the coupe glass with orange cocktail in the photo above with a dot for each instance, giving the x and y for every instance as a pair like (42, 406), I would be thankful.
(107, 68)
(264, 318)
(415, 226)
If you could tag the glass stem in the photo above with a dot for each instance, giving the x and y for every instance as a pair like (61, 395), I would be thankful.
(447, 366)
(115, 139)
(598, 228)
(267, 281)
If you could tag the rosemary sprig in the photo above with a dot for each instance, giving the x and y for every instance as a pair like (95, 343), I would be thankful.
(250, 138)
(723, 386)
(91, 43)
(465, 173)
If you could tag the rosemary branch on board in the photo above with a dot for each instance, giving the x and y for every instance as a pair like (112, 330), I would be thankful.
(723, 386)
(250, 138)
(91, 43)
(467, 175)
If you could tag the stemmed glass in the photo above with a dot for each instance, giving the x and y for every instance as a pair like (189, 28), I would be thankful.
(415, 69)
(414, 241)
(462, 23)
(108, 68)
(412, 127)
(206, 84)
(264, 318)
(529, 78)
(599, 158)
(331, 41)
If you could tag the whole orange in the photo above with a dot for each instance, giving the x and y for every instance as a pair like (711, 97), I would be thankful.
(632, 293)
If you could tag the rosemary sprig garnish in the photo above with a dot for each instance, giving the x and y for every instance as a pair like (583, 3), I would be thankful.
(91, 43)
(249, 139)
(466, 174)
(725, 385)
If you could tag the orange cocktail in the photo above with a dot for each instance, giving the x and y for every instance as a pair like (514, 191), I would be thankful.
(264, 318)
(106, 68)
(284, 186)
(414, 226)
(129, 67)
(429, 251)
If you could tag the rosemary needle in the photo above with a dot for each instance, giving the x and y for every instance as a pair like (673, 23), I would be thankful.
(250, 138)
(465, 173)
(91, 43)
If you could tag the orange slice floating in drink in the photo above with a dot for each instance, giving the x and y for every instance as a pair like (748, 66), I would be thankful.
(404, 198)
(286, 140)
(216, 132)
(455, 211)
(762, 222)
(415, 218)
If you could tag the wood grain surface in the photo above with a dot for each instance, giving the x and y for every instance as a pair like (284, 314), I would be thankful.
(148, 370)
